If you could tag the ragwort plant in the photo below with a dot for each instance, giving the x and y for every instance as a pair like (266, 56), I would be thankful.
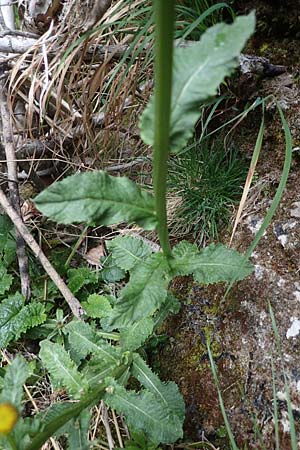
(101, 354)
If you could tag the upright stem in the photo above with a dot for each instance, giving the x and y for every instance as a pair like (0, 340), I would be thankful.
(164, 20)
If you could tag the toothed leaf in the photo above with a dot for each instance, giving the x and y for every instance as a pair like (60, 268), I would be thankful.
(209, 265)
(127, 251)
(62, 369)
(97, 306)
(143, 411)
(143, 294)
(96, 197)
(85, 341)
(198, 71)
(16, 317)
(131, 338)
(167, 393)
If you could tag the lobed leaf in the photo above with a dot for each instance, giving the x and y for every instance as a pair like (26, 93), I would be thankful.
(144, 412)
(97, 306)
(127, 251)
(143, 294)
(16, 318)
(62, 369)
(198, 71)
(97, 197)
(209, 265)
(168, 392)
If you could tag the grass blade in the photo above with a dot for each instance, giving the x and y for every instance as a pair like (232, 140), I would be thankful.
(226, 422)
(275, 405)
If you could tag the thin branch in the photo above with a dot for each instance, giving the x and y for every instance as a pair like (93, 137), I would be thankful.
(72, 301)
(8, 142)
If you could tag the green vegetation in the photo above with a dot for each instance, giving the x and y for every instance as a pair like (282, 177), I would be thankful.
(95, 358)
(102, 355)
(205, 182)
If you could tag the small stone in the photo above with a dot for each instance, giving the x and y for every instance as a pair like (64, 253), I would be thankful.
(295, 212)
(294, 328)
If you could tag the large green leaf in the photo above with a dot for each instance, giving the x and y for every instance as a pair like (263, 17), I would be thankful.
(127, 251)
(210, 265)
(145, 412)
(198, 71)
(62, 369)
(16, 374)
(168, 393)
(143, 294)
(16, 317)
(97, 197)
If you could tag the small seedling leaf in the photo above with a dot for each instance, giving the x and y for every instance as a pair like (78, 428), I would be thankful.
(97, 306)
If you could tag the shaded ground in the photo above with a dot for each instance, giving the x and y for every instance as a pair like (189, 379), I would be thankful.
(239, 327)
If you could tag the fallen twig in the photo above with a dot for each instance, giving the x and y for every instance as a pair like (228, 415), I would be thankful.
(72, 301)
(8, 143)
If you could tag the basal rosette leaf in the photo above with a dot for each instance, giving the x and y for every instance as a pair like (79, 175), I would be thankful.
(212, 264)
(77, 432)
(16, 317)
(198, 70)
(133, 337)
(85, 341)
(145, 412)
(62, 369)
(143, 294)
(99, 198)
(168, 393)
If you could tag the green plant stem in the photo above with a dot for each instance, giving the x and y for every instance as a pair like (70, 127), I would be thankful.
(164, 20)
(73, 411)
(76, 246)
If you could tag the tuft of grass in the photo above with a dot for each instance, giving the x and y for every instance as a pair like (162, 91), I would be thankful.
(205, 183)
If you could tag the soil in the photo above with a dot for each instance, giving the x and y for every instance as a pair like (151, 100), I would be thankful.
(239, 326)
